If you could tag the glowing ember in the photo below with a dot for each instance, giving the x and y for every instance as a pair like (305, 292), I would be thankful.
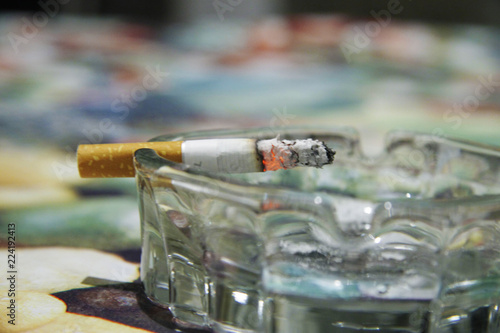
(274, 160)
(284, 154)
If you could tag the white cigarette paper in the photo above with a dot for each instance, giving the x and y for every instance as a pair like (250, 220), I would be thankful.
(222, 155)
(250, 155)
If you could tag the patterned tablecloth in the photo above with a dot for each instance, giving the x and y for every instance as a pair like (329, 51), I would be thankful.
(78, 80)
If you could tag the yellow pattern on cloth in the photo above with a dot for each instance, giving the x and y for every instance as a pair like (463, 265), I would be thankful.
(33, 309)
(60, 268)
(41, 271)
(70, 322)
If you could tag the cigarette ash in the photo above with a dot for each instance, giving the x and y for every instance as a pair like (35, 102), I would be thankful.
(285, 154)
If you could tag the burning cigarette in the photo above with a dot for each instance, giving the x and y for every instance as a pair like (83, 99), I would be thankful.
(219, 155)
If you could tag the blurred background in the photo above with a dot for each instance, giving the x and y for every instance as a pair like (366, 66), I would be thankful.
(161, 11)
(98, 71)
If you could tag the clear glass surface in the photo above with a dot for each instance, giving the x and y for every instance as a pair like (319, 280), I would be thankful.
(408, 241)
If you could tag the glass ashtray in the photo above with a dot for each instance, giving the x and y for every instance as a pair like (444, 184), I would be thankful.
(408, 241)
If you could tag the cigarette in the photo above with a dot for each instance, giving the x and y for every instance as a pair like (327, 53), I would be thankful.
(219, 155)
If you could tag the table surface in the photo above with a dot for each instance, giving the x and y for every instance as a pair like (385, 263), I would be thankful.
(78, 80)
